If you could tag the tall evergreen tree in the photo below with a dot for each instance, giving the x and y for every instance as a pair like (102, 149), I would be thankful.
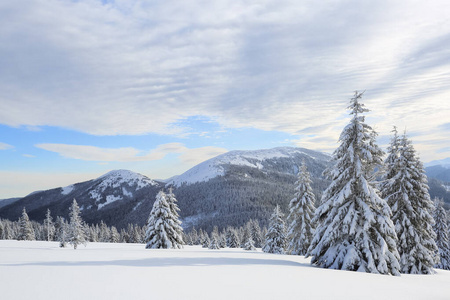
(354, 230)
(49, 227)
(405, 189)
(214, 242)
(276, 234)
(249, 244)
(206, 240)
(301, 228)
(2, 231)
(115, 236)
(77, 234)
(171, 199)
(26, 231)
(256, 233)
(162, 226)
(232, 238)
(442, 240)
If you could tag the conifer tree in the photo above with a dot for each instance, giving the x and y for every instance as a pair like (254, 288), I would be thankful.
(26, 231)
(354, 230)
(171, 199)
(8, 232)
(301, 228)
(49, 227)
(249, 245)
(162, 226)
(405, 189)
(193, 236)
(2, 231)
(214, 242)
(61, 228)
(104, 234)
(276, 235)
(256, 233)
(115, 236)
(442, 241)
(222, 240)
(206, 240)
(77, 234)
(232, 238)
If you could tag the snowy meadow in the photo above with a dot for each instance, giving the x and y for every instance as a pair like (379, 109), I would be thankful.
(42, 270)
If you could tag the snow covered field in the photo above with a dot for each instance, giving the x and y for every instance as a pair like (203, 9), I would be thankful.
(42, 270)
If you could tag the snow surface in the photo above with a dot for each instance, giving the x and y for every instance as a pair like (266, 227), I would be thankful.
(215, 166)
(67, 190)
(109, 199)
(42, 270)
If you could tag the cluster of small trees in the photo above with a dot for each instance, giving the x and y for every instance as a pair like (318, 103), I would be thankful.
(249, 237)
(74, 231)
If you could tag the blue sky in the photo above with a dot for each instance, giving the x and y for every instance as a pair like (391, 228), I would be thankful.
(158, 86)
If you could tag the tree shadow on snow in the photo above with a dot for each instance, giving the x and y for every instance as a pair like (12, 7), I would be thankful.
(169, 262)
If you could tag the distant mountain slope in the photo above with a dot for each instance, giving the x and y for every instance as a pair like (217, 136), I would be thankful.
(445, 163)
(4, 202)
(236, 186)
(226, 190)
(267, 160)
(112, 197)
(439, 172)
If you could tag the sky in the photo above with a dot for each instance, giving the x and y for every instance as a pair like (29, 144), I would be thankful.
(157, 87)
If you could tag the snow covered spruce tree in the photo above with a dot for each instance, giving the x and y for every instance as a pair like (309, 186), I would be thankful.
(49, 227)
(232, 238)
(163, 227)
(256, 233)
(26, 231)
(276, 234)
(214, 242)
(249, 244)
(301, 228)
(174, 209)
(61, 230)
(354, 230)
(77, 234)
(405, 189)
(441, 230)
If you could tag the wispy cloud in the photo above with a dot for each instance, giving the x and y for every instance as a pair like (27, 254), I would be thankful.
(91, 153)
(4, 146)
(136, 67)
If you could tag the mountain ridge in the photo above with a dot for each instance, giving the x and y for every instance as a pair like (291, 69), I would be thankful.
(228, 189)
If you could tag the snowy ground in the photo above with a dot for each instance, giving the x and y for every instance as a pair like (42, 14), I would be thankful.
(41, 270)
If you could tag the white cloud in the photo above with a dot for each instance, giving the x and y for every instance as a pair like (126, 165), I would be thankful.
(4, 146)
(189, 156)
(135, 67)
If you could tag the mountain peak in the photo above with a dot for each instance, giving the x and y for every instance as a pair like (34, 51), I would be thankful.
(250, 158)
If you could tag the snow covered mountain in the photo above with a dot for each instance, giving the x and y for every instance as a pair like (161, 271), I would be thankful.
(226, 190)
(111, 197)
(445, 163)
(257, 159)
(236, 186)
